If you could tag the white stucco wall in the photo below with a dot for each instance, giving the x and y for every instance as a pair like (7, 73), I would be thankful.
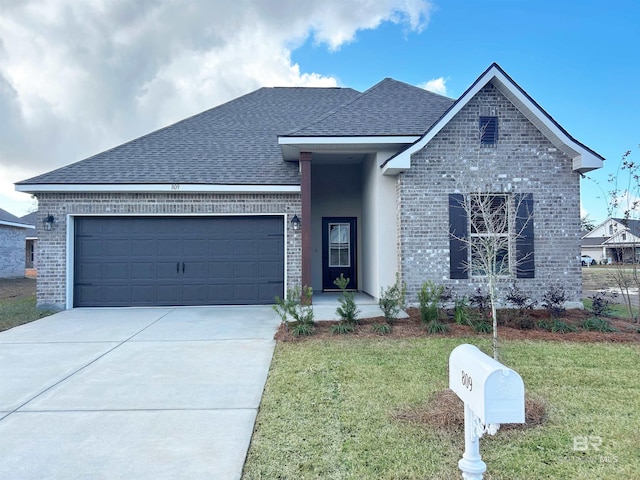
(379, 226)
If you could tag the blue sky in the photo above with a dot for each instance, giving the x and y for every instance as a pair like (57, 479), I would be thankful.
(78, 78)
(580, 60)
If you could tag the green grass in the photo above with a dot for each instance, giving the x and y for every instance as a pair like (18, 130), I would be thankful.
(16, 311)
(617, 310)
(328, 412)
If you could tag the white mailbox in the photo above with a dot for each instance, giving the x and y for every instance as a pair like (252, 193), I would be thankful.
(494, 392)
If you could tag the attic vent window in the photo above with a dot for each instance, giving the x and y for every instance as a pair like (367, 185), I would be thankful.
(488, 130)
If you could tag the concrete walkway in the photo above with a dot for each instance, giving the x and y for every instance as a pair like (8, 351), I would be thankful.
(140, 393)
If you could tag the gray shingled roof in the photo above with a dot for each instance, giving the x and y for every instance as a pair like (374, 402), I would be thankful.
(388, 108)
(593, 241)
(8, 217)
(235, 143)
(30, 218)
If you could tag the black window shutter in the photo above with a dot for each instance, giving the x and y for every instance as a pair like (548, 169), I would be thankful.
(525, 264)
(458, 237)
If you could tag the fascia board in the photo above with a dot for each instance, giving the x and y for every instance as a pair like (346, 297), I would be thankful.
(18, 225)
(376, 140)
(156, 188)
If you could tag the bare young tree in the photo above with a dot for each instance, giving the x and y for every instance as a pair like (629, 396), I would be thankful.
(624, 197)
(496, 222)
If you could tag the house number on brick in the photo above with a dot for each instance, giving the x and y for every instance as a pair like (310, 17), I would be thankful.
(467, 381)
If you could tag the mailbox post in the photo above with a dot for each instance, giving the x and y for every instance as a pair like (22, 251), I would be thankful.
(492, 394)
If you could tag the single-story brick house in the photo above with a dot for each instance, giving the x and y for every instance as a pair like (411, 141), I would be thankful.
(285, 187)
(12, 245)
(616, 240)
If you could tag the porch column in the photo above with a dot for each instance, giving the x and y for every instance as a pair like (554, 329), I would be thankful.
(305, 190)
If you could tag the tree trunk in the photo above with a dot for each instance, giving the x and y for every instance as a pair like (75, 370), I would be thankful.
(494, 318)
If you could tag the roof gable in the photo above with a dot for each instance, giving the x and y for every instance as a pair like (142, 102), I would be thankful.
(584, 159)
(380, 111)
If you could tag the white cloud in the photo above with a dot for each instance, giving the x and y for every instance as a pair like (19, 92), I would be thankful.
(79, 77)
(436, 85)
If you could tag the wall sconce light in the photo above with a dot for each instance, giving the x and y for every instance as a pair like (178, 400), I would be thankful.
(48, 222)
(295, 222)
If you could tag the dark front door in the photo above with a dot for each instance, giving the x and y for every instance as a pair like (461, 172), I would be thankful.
(338, 251)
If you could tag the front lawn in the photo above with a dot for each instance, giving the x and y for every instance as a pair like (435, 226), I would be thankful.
(329, 411)
(19, 310)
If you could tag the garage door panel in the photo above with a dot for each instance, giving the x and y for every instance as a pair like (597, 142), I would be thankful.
(123, 261)
(142, 247)
(89, 270)
(167, 247)
(92, 247)
(167, 270)
(245, 271)
(220, 270)
(117, 270)
(143, 270)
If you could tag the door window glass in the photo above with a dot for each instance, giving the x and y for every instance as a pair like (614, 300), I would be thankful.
(339, 245)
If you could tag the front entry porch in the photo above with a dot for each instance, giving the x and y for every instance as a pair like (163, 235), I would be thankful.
(326, 303)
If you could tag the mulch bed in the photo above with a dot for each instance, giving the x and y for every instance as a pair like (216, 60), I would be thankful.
(413, 327)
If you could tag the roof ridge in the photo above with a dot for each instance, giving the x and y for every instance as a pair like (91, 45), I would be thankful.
(340, 107)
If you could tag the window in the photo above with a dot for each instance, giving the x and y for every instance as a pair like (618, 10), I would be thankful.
(339, 245)
(516, 256)
(489, 234)
(488, 130)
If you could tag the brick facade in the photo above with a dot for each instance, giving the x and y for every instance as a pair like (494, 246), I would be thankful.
(523, 161)
(12, 251)
(52, 245)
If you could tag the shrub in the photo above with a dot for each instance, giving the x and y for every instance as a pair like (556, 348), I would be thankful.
(299, 329)
(381, 328)
(343, 328)
(297, 317)
(461, 311)
(560, 326)
(553, 300)
(600, 305)
(526, 323)
(480, 301)
(429, 298)
(595, 324)
(482, 326)
(544, 325)
(392, 300)
(519, 299)
(436, 326)
(348, 310)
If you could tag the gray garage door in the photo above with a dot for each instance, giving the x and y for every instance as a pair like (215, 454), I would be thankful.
(138, 261)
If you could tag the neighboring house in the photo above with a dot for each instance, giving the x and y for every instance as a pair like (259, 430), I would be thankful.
(31, 243)
(12, 245)
(616, 240)
(206, 211)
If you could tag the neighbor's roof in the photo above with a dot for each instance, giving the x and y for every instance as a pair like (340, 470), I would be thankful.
(380, 111)
(12, 221)
(234, 143)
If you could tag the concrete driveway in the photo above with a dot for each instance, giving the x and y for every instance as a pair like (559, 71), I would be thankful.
(140, 393)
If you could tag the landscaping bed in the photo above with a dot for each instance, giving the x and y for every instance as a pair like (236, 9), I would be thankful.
(627, 332)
